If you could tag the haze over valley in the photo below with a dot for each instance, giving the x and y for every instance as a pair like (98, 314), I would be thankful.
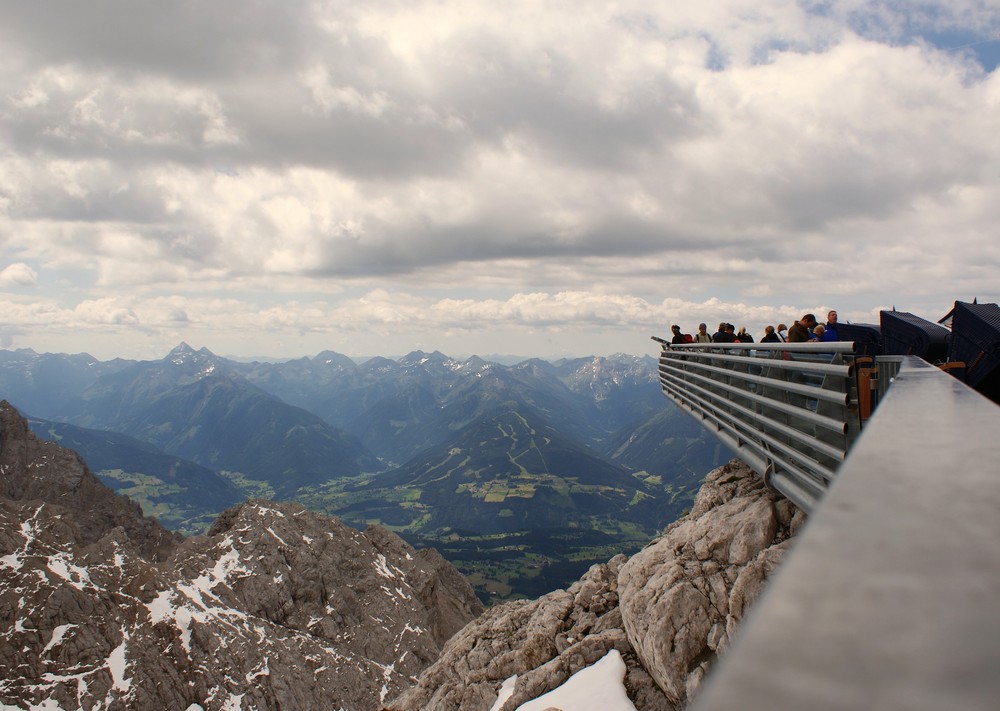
(521, 475)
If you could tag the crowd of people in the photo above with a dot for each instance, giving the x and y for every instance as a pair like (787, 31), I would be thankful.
(801, 331)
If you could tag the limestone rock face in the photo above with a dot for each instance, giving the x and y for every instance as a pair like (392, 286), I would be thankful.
(275, 607)
(683, 596)
(669, 610)
(544, 642)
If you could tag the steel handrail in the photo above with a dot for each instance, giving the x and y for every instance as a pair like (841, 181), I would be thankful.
(801, 347)
(807, 390)
(829, 423)
(888, 598)
(805, 366)
(806, 439)
(790, 410)
(746, 437)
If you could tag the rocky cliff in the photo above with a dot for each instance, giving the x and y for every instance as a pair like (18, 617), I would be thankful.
(669, 610)
(33, 469)
(275, 607)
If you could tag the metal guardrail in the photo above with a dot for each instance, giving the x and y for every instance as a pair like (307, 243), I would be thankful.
(789, 410)
(888, 599)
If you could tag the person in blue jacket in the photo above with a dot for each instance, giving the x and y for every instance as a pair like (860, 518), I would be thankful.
(830, 334)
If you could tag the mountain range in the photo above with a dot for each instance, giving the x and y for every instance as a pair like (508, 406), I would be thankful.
(439, 450)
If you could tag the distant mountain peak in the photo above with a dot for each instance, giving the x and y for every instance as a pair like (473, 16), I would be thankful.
(181, 354)
(415, 357)
(535, 365)
(184, 354)
(181, 349)
(475, 364)
(421, 358)
(333, 358)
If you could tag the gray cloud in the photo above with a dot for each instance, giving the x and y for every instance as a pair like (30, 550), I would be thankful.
(491, 159)
(220, 40)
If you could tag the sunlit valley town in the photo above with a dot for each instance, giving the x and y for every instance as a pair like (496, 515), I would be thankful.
(464, 356)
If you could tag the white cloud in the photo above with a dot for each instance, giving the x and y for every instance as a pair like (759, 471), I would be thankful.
(18, 274)
(548, 166)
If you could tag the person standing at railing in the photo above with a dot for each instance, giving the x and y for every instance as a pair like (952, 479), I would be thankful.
(678, 336)
(742, 336)
(702, 336)
(723, 335)
(800, 330)
(830, 332)
(782, 332)
(770, 336)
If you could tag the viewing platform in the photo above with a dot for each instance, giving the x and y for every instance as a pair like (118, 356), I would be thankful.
(888, 600)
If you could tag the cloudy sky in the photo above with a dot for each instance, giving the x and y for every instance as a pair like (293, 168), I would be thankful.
(275, 178)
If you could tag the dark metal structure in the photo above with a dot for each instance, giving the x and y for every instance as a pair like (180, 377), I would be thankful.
(904, 333)
(975, 342)
(867, 337)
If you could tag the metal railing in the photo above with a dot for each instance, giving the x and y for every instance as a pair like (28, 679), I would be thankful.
(789, 410)
(888, 600)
